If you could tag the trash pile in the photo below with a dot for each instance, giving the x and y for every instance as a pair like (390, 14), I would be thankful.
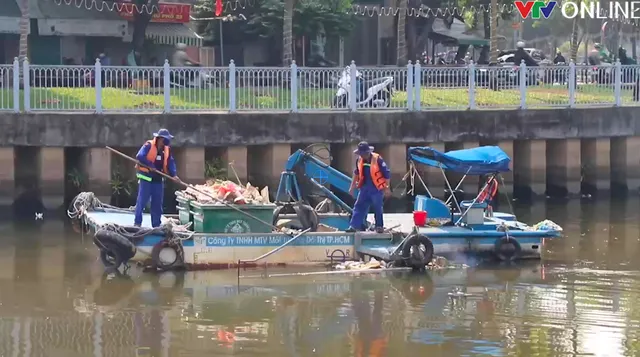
(229, 192)
(435, 263)
(546, 225)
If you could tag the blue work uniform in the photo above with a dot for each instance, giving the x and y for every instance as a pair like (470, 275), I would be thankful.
(368, 196)
(152, 190)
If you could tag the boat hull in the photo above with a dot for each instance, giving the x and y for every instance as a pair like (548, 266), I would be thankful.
(221, 251)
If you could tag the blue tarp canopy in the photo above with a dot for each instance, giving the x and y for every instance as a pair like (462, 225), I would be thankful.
(477, 161)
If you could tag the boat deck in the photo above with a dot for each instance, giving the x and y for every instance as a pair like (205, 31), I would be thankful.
(100, 218)
(403, 222)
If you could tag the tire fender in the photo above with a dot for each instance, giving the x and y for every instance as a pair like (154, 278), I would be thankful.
(507, 249)
(115, 246)
(417, 259)
(156, 263)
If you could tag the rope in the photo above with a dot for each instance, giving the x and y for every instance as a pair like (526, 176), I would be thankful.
(87, 201)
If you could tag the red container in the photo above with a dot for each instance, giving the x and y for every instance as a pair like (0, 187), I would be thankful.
(420, 218)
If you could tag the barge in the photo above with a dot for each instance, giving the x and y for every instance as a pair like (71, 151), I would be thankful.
(224, 235)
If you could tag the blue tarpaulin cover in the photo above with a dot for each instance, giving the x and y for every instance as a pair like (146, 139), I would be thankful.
(477, 161)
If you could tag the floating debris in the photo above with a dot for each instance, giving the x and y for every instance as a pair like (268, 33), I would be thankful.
(229, 192)
(435, 264)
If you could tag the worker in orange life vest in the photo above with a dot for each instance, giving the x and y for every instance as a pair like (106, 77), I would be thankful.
(154, 153)
(489, 193)
(371, 177)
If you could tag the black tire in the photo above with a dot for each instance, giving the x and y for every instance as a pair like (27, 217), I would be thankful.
(307, 216)
(158, 264)
(104, 237)
(284, 209)
(507, 249)
(112, 256)
(421, 254)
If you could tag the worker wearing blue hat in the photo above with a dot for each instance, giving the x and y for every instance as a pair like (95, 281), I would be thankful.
(154, 153)
(371, 177)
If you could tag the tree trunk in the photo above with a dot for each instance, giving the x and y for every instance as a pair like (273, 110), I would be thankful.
(287, 33)
(401, 43)
(24, 30)
(494, 31)
(574, 40)
(141, 19)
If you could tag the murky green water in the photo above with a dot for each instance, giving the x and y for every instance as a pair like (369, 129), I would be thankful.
(584, 300)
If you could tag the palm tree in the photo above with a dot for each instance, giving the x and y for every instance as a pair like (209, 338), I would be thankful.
(401, 44)
(287, 33)
(24, 29)
(493, 57)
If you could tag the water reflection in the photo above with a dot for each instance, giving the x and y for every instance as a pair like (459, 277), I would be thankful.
(55, 301)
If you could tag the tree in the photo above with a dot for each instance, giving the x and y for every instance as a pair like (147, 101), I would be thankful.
(24, 29)
(577, 28)
(141, 17)
(401, 44)
(418, 28)
(287, 32)
(297, 18)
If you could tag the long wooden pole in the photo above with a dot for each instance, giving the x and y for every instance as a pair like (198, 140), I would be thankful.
(191, 187)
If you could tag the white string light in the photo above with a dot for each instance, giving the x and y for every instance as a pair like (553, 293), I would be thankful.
(371, 11)
(356, 9)
(166, 9)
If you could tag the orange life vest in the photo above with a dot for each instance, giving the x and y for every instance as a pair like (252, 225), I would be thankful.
(376, 175)
(151, 157)
(489, 191)
(377, 348)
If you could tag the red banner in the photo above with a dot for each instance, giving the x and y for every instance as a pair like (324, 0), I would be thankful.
(166, 12)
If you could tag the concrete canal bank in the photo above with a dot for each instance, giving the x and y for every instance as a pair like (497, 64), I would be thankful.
(553, 151)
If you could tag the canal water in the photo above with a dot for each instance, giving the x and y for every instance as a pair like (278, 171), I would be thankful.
(584, 299)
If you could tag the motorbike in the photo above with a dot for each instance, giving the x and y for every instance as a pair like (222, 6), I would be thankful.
(370, 93)
(191, 76)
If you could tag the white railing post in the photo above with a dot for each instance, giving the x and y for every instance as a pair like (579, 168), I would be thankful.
(353, 86)
(572, 84)
(471, 72)
(16, 85)
(166, 84)
(409, 88)
(293, 85)
(617, 85)
(97, 79)
(26, 85)
(417, 86)
(232, 86)
(523, 85)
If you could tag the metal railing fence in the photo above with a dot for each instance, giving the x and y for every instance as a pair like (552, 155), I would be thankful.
(25, 87)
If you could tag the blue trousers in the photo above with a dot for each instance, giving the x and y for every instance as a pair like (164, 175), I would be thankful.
(366, 199)
(153, 191)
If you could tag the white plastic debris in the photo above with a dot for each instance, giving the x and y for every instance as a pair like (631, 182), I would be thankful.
(229, 192)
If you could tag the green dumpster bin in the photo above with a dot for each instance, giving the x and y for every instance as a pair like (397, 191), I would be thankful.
(216, 218)
(184, 210)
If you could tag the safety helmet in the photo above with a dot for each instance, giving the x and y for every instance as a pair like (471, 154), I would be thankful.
(180, 46)
(520, 44)
(597, 46)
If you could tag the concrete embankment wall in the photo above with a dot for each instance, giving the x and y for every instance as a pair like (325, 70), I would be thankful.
(553, 151)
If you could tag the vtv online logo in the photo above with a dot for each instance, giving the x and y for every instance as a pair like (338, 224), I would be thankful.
(535, 8)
